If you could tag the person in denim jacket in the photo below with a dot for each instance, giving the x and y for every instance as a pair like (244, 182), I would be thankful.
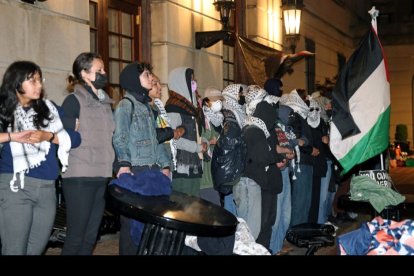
(135, 138)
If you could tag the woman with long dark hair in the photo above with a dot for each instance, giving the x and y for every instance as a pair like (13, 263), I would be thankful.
(31, 131)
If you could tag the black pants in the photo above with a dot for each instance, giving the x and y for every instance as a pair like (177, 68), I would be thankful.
(85, 205)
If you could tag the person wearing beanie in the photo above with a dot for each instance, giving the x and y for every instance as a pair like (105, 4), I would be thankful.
(135, 138)
(273, 86)
(84, 183)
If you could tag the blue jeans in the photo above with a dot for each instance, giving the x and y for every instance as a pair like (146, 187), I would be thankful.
(301, 194)
(248, 198)
(323, 216)
(283, 212)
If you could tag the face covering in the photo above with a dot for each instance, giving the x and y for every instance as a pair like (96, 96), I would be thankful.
(216, 106)
(242, 100)
(329, 113)
(193, 86)
(100, 81)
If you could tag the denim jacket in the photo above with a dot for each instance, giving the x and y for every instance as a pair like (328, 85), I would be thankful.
(135, 138)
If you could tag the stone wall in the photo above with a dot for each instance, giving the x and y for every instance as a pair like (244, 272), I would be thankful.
(50, 33)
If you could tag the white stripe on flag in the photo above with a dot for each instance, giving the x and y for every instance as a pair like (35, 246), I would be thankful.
(366, 106)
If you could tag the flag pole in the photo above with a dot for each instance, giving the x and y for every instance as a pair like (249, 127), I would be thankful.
(374, 14)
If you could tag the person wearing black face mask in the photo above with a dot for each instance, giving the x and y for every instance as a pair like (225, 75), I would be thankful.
(100, 81)
(85, 181)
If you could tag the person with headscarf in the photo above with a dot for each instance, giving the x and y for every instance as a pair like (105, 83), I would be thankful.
(135, 138)
(320, 143)
(183, 109)
(303, 170)
(212, 105)
(256, 193)
(328, 187)
(227, 163)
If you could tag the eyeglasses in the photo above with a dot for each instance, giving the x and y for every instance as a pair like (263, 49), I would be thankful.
(34, 81)
(312, 109)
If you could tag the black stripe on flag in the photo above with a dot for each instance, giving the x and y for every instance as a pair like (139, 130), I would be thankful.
(359, 67)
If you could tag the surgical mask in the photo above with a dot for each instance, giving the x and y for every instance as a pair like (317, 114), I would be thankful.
(216, 106)
(242, 100)
(193, 86)
(100, 81)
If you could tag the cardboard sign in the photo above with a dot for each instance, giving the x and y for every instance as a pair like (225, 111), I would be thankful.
(380, 176)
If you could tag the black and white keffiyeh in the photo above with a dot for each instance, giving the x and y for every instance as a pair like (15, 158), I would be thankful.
(163, 112)
(231, 95)
(216, 118)
(314, 117)
(294, 101)
(255, 95)
(29, 156)
(250, 120)
(173, 142)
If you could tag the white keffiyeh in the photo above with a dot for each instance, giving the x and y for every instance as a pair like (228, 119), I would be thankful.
(314, 116)
(254, 96)
(163, 112)
(294, 101)
(231, 95)
(29, 156)
(259, 123)
(215, 118)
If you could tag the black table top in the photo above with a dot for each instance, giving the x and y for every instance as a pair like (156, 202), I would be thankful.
(178, 211)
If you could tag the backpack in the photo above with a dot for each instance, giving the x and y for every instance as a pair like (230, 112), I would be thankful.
(228, 161)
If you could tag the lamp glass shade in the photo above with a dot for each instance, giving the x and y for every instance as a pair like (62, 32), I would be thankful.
(292, 20)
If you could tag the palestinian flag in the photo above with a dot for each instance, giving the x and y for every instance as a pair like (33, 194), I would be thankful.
(361, 105)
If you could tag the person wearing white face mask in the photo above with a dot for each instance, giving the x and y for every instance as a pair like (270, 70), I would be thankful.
(212, 105)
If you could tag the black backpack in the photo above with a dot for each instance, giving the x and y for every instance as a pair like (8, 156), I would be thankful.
(228, 162)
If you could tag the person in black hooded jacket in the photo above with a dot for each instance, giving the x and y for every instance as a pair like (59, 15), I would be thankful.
(256, 193)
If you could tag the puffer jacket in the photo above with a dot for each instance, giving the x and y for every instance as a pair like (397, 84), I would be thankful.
(228, 161)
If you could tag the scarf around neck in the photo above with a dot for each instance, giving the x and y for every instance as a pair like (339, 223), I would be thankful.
(215, 118)
(259, 123)
(29, 156)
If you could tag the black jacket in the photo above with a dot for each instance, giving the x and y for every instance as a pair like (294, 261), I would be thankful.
(227, 164)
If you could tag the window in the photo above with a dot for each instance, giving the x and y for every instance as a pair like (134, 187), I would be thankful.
(115, 35)
(228, 52)
(228, 65)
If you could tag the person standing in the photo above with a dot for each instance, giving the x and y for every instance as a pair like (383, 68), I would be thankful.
(165, 133)
(84, 184)
(212, 105)
(135, 138)
(182, 108)
(31, 131)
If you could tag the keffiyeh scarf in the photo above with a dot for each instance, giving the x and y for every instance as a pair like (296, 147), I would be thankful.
(294, 101)
(163, 121)
(215, 118)
(259, 123)
(231, 94)
(314, 117)
(29, 156)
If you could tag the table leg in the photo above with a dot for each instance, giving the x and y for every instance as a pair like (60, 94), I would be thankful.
(158, 240)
